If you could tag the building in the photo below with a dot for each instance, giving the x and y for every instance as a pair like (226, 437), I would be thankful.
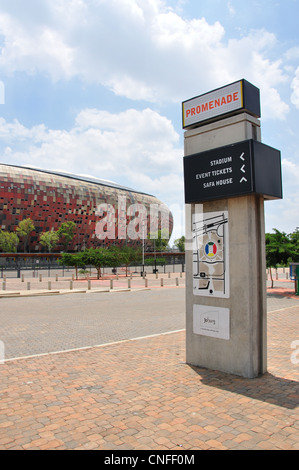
(105, 213)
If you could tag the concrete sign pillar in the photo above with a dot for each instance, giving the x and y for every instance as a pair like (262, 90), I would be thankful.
(226, 312)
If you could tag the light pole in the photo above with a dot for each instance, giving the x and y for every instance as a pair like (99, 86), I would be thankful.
(143, 248)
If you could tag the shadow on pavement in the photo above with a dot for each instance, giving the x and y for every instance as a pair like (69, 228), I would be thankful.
(266, 388)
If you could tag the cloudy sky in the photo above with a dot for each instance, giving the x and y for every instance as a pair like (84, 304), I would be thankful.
(95, 87)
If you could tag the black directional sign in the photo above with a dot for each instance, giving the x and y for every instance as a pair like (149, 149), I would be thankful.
(234, 170)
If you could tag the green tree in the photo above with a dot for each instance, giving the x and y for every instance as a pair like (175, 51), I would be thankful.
(75, 260)
(159, 240)
(24, 229)
(179, 243)
(125, 255)
(97, 257)
(66, 233)
(8, 242)
(49, 240)
(294, 239)
(279, 250)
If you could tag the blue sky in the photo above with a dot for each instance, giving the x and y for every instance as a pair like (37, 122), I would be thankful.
(95, 87)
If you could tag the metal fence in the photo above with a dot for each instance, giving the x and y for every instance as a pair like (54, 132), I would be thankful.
(13, 265)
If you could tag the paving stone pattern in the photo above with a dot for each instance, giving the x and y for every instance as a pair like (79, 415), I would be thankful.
(140, 394)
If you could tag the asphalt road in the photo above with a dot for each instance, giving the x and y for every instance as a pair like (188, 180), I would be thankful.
(39, 325)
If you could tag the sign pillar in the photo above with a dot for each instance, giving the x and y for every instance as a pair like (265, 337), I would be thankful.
(228, 174)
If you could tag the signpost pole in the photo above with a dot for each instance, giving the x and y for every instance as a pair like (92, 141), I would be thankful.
(226, 314)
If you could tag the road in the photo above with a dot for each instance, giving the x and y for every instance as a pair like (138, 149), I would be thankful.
(39, 325)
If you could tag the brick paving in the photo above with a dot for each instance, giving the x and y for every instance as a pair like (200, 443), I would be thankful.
(140, 394)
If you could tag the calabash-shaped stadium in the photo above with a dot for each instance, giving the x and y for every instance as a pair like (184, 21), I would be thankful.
(103, 211)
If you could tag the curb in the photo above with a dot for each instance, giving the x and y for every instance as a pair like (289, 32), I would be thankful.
(67, 291)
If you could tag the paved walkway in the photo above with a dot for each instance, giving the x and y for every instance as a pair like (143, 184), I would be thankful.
(140, 394)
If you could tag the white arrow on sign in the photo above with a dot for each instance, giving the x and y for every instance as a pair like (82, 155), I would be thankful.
(243, 179)
(243, 169)
(242, 157)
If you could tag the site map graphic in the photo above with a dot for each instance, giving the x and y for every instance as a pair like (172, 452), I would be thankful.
(210, 254)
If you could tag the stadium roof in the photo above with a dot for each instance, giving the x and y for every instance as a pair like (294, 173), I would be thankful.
(84, 178)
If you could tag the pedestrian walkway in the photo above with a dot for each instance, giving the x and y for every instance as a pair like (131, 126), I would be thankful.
(140, 394)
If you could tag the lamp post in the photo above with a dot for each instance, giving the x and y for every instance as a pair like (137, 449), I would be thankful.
(143, 248)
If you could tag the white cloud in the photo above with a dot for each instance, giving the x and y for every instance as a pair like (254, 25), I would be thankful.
(141, 49)
(130, 148)
(231, 9)
(40, 49)
(295, 88)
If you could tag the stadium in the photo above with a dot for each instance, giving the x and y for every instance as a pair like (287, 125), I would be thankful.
(50, 198)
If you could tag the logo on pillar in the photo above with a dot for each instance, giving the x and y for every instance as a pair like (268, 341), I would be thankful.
(211, 250)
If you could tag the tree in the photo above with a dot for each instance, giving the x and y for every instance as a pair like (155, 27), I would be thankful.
(75, 260)
(66, 233)
(125, 255)
(294, 239)
(160, 240)
(24, 229)
(49, 240)
(8, 242)
(279, 250)
(179, 243)
(97, 257)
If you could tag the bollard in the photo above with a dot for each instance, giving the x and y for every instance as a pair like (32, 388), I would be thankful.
(177, 281)
(22, 277)
(111, 283)
(162, 282)
(89, 284)
(145, 282)
(168, 275)
(181, 275)
(129, 283)
(40, 278)
(71, 285)
(156, 275)
(28, 285)
(49, 285)
(287, 275)
(73, 277)
(4, 277)
(56, 277)
(4, 285)
(117, 277)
